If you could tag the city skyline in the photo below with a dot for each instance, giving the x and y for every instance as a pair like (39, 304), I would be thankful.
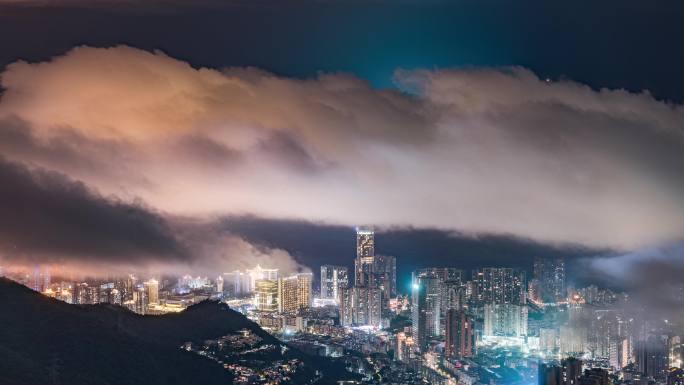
(285, 192)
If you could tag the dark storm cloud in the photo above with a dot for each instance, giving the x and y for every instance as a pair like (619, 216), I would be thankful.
(46, 216)
(71, 153)
(314, 244)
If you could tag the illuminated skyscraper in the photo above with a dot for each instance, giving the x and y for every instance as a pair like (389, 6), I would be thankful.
(365, 257)
(332, 279)
(367, 306)
(294, 293)
(345, 297)
(449, 288)
(425, 305)
(152, 291)
(266, 295)
(261, 273)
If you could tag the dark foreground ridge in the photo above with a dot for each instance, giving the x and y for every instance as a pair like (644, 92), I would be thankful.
(44, 341)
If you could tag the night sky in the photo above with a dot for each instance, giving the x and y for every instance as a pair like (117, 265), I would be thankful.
(616, 44)
(211, 135)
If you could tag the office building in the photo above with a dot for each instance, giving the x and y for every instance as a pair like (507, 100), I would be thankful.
(266, 295)
(152, 291)
(259, 273)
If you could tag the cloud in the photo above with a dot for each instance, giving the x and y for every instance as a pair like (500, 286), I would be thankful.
(652, 276)
(47, 217)
(493, 151)
(46, 213)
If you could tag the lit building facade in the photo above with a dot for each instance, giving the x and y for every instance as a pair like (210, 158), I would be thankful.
(152, 291)
(266, 295)
(332, 279)
(460, 336)
(505, 320)
(294, 293)
(500, 285)
(361, 306)
(365, 256)
(259, 273)
(425, 306)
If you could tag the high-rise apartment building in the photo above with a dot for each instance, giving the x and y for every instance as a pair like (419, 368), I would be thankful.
(385, 275)
(294, 293)
(425, 305)
(500, 285)
(505, 320)
(361, 306)
(460, 336)
(448, 285)
(332, 279)
(549, 280)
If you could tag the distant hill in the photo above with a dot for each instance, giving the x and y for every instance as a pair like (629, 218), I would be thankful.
(47, 342)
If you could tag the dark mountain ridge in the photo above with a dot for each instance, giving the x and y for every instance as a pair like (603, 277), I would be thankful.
(44, 341)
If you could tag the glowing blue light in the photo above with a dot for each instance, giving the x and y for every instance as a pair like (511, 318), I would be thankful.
(416, 286)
